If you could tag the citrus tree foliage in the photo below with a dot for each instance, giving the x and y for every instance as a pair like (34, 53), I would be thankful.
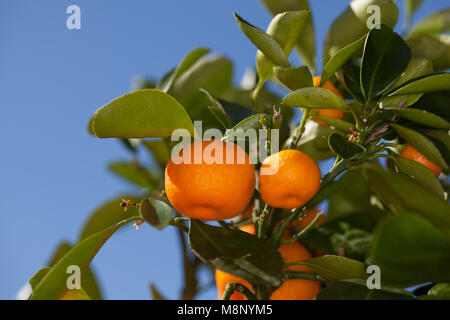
(383, 209)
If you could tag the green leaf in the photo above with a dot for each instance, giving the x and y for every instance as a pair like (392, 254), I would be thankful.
(314, 141)
(88, 281)
(212, 73)
(385, 58)
(314, 98)
(155, 212)
(350, 77)
(306, 45)
(430, 83)
(400, 193)
(422, 144)
(217, 110)
(108, 215)
(294, 78)
(422, 117)
(267, 44)
(53, 284)
(251, 123)
(134, 173)
(352, 196)
(437, 22)
(336, 268)
(156, 295)
(410, 7)
(285, 28)
(435, 47)
(423, 175)
(344, 148)
(354, 241)
(440, 291)
(416, 68)
(357, 290)
(140, 114)
(184, 65)
(38, 276)
(410, 250)
(336, 123)
(340, 58)
(351, 25)
(236, 252)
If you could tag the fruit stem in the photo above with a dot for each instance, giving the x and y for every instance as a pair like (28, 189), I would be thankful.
(231, 287)
(300, 129)
(302, 275)
(284, 224)
(308, 228)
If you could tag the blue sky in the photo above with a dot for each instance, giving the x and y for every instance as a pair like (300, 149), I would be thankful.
(52, 173)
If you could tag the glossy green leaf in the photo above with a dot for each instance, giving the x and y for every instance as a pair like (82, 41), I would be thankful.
(285, 28)
(422, 117)
(385, 58)
(351, 24)
(352, 196)
(435, 47)
(88, 281)
(340, 58)
(140, 114)
(357, 290)
(423, 175)
(212, 73)
(184, 65)
(336, 268)
(350, 77)
(314, 98)
(294, 78)
(236, 252)
(437, 22)
(430, 83)
(134, 173)
(417, 67)
(108, 215)
(306, 44)
(249, 124)
(410, 250)
(339, 124)
(421, 143)
(400, 193)
(156, 212)
(53, 284)
(264, 42)
(314, 141)
(38, 276)
(344, 148)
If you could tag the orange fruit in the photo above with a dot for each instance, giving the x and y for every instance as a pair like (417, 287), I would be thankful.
(309, 217)
(223, 278)
(295, 179)
(207, 189)
(295, 289)
(330, 113)
(412, 154)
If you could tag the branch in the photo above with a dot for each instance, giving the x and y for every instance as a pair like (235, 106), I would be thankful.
(231, 287)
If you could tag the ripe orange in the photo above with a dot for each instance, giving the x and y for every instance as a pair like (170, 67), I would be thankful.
(330, 113)
(296, 181)
(207, 190)
(412, 154)
(295, 289)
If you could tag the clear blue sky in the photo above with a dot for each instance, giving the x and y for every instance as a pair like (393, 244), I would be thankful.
(52, 173)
